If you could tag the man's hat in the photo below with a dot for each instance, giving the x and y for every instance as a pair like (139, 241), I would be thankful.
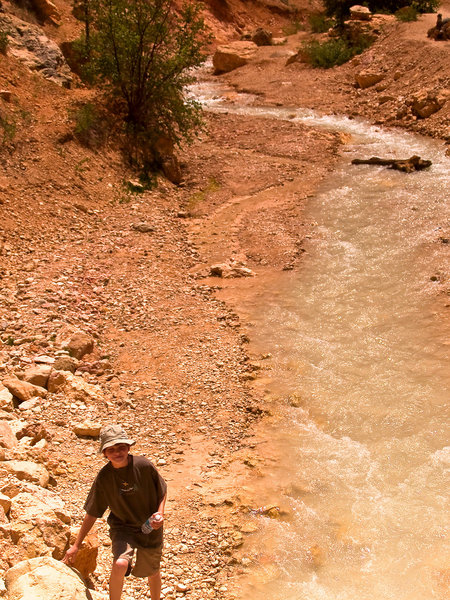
(110, 435)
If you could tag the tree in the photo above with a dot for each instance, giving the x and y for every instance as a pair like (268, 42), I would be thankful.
(141, 53)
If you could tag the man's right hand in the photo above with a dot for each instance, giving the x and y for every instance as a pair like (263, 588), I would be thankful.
(70, 555)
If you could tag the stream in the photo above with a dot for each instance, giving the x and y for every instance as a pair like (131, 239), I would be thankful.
(360, 365)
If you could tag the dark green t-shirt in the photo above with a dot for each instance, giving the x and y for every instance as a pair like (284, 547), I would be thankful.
(132, 494)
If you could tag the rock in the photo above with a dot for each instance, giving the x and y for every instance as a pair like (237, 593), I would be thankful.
(6, 398)
(7, 436)
(23, 390)
(231, 56)
(51, 500)
(143, 227)
(227, 271)
(35, 432)
(26, 470)
(360, 13)
(77, 342)
(171, 168)
(367, 78)
(5, 503)
(6, 95)
(36, 528)
(86, 559)
(425, 103)
(44, 578)
(37, 375)
(66, 363)
(32, 47)
(80, 344)
(57, 381)
(74, 387)
(88, 428)
(262, 37)
(47, 11)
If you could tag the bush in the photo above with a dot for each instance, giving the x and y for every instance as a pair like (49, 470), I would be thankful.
(140, 53)
(407, 13)
(426, 6)
(319, 23)
(334, 52)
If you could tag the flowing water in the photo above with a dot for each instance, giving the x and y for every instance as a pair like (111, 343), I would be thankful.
(365, 451)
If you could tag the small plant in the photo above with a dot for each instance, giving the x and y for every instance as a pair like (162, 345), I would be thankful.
(335, 51)
(319, 23)
(3, 42)
(406, 14)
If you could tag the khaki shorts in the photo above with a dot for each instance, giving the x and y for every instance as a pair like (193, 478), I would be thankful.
(126, 543)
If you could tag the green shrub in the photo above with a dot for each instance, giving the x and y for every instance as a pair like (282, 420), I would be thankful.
(319, 23)
(334, 51)
(3, 42)
(407, 13)
(141, 54)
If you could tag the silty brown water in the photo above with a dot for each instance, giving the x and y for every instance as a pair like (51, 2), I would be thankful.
(365, 454)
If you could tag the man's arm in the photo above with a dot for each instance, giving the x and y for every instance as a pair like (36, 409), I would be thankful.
(85, 528)
(160, 511)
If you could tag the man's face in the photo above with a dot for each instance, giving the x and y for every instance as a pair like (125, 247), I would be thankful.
(117, 455)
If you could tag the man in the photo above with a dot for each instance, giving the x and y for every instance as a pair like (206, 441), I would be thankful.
(134, 491)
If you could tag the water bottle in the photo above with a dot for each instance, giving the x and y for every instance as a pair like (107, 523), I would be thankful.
(146, 527)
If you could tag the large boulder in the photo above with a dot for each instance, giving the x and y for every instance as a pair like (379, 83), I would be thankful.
(77, 342)
(75, 388)
(47, 11)
(25, 470)
(23, 390)
(425, 103)
(86, 559)
(231, 56)
(360, 13)
(44, 578)
(262, 37)
(7, 435)
(368, 78)
(28, 44)
(37, 375)
(35, 529)
(6, 398)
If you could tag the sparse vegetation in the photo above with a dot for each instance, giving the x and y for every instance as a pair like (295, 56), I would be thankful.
(335, 51)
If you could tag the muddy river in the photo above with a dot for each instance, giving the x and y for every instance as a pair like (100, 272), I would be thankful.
(360, 366)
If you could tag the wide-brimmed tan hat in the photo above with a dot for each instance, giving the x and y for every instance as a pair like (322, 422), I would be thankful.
(110, 435)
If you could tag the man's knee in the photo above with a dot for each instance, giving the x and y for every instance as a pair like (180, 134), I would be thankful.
(154, 576)
(120, 566)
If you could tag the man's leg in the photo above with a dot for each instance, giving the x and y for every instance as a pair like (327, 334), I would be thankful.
(118, 571)
(154, 583)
